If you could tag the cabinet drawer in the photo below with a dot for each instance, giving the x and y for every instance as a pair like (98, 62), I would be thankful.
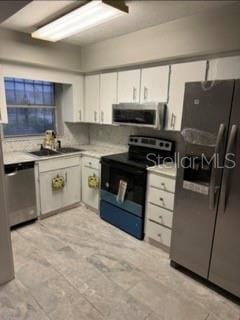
(161, 198)
(58, 163)
(90, 162)
(159, 215)
(159, 233)
(161, 182)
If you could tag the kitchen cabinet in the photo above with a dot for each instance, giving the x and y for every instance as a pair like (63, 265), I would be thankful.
(90, 168)
(180, 74)
(92, 95)
(71, 98)
(160, 206)
(108, 96)
(129, 86)
(51, 200)
(224, 68)
(3, 103)
(154, 84)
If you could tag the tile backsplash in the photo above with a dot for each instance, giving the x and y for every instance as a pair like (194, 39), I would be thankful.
(74, 134)
(81, 133)
(118, 135)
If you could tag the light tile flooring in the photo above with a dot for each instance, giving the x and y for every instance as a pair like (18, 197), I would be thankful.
(76, 266)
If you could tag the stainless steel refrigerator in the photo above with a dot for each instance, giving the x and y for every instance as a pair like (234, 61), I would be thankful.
(206, 223)
(6, 256)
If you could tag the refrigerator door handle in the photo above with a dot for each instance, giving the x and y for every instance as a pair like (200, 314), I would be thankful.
(212, 185)
(227, 169)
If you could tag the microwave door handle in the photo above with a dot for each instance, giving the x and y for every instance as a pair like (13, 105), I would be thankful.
(212, 185)
(162, 115)
(228, 170)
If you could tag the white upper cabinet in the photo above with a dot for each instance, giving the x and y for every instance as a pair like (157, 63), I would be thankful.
(3, 103)
(108, 96)
(129, 86)
(154, 84)
(92, 95)
(224, 68)
(72, 100)
(180, 74)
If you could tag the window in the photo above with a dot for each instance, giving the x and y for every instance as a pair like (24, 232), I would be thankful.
(31, 107)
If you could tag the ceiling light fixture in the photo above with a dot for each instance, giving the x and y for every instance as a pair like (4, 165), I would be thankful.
(85, 17)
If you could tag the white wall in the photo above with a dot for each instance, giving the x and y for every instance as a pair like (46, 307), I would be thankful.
(20, 47)
(214, 32)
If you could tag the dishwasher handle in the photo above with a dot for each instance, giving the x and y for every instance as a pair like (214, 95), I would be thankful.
(12, 174)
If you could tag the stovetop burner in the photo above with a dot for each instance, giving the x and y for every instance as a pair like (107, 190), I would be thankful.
(144, 152)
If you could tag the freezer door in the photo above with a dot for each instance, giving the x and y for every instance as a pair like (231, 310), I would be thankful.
(206, 116)
(225, 263)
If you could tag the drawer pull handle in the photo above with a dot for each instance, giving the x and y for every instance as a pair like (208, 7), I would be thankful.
(159, 235)
(160, 217)
(161, 199)
(163, 184)
(90, 163)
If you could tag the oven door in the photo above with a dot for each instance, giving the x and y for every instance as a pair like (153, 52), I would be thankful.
(111, 174)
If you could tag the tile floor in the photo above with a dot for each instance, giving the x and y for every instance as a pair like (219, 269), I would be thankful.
(75, 266)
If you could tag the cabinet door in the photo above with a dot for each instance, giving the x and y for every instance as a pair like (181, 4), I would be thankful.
(129, 86)
(92, 87)
(108, 96)
(180, 74)
(90, 196)
(3, 103)
(71, 98)
(154, 84)
(224, 68)
(52, 200)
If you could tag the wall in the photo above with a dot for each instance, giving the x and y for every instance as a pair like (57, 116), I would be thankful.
(74, 134)
(214, 32)
(20, 47)
(118, 135)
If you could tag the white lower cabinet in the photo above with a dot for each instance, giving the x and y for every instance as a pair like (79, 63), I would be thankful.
(90, 194)
(159, 208)
(51, 199)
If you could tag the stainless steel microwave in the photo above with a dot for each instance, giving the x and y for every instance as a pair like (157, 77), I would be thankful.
(150, 115)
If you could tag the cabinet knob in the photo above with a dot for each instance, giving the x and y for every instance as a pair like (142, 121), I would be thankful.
(145, 94)
(161, 199)
(80, 114)
(107, 184)
(134, 93)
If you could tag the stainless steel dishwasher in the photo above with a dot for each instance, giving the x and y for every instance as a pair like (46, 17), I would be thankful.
(20, 192)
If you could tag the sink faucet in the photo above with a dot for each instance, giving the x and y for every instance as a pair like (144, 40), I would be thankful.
(59, 143)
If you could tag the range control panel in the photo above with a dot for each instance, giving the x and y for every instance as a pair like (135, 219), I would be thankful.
(151, 142)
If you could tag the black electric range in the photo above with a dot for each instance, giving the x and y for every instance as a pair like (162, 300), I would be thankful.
(123, 182)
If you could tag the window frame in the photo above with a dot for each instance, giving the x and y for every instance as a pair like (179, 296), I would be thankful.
(32, 106)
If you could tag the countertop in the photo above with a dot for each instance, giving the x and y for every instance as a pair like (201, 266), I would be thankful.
(169, 170)
(95, 151)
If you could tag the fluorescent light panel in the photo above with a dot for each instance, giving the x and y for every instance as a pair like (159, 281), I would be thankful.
(81, 19)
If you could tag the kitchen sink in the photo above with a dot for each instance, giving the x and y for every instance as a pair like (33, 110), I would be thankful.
(68, 150)
(44, 153)
(47, 153)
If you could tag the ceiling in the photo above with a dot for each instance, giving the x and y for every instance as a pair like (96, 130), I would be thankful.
(142, 14)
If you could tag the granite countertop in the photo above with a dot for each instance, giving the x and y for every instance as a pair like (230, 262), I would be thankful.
(96, 151)
(169, 170)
